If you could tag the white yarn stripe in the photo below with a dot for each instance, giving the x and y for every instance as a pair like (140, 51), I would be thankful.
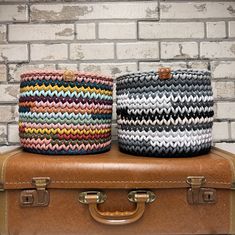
(165, 134)
(171, 121)
(169, 110)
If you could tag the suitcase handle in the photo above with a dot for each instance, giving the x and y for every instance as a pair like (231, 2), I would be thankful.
(93, 198)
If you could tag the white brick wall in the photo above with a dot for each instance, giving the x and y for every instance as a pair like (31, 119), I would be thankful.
(85, 31)
(3, 72)
(9, 93)
(223, 69)
(156, 30)
(21, 32)
(233, 130)
(197, 10)
(179, 50)
(216, 29)
(3, 134)
(13, 136)
(91, 51)
(217, 50)
(15, 70)
(226, 110)
(3, 33)
(117, 37)
(148, 66)
(109, 10)
(115, 69)
(138, 50)
(49, 52)
(8, 113)
(125, 30)
(13, 52)
(223, 89)
(220, 131)
(231, 29)
(14, 13)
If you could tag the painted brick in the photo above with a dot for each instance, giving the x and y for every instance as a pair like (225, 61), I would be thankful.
(8, 113)
(25, 1)
(13, 133)
(14, 13)
(16, 69)
(32, 32)
(9, 93)
(114, 115)
(216, 29)
(125, 30)
(3, 134)
(114, 69)
(67, 66)
(3, 33)
(231, 29)
(85, 31)
(217, 50)
(91, 51)
(108, 10)
(229, 147)
(156, 30)
(3, 73)
(49, 52)
(198, 64)
(114, 131)
(223, 69)
(13, 52)
(197, 10)
(179, 50)
(233, 130)
(149, 66)
(6, 148)
(138, 50)
(220, 131)
(114, 92)
(223, 89)
(226, 110)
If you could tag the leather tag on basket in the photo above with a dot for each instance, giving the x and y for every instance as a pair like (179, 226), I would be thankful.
(164, 73)
(68, 76)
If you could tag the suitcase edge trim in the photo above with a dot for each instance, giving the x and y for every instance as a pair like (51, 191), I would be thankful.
(231, 158)
(3, 194)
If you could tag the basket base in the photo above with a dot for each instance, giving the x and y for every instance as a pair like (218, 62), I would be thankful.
(146, 153)
(70, 152)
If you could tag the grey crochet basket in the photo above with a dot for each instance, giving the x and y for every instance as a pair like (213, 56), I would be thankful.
(165, 113)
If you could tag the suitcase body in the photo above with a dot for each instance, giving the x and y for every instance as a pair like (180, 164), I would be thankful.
(116, 193)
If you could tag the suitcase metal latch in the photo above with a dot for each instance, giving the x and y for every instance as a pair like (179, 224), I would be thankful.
(36, 197)
(198, 194)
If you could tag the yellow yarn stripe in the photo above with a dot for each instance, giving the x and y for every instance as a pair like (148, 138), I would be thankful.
(65, 131)
(62, 88)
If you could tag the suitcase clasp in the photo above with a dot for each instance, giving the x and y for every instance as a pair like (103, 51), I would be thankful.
(198, 194)
(36, 197)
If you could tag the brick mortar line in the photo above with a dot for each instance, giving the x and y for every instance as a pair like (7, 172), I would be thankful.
(119, 20)
(119, 41)
(211, 19)
(229, 130)
(194, 1)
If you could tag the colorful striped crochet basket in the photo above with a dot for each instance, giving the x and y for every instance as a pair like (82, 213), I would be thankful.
(165, 113)
(65, 112)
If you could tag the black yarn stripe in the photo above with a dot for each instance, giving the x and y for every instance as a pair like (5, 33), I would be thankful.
(164, 116)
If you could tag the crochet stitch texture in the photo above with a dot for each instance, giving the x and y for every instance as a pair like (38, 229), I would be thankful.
(59, 116)
(165, 118)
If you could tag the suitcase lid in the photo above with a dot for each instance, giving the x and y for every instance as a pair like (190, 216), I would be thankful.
(114, 169)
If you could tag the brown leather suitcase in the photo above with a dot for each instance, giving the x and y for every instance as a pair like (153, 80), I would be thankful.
(115, 193)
